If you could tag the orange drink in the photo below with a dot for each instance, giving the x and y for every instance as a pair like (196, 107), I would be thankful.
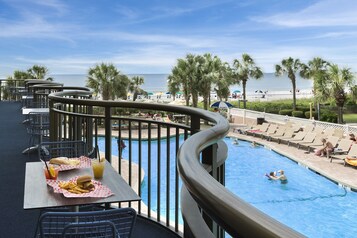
(98, 168)
(51, 172)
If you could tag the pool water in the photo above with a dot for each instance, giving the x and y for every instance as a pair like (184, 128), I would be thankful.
(308, 203)
(154, 169)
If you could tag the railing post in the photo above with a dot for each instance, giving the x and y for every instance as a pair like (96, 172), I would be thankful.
(0, 90)
(209, 157)
(89, 132)
(53, 122)
(195, 124)
(108, 134)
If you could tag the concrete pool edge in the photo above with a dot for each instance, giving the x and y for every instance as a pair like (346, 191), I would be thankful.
(335, 171)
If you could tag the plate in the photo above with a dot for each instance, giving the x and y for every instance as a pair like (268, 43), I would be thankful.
(100, 190)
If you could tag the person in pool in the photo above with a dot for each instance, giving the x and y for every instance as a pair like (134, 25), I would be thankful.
(235, 142)
(271, 175)
(281, 176)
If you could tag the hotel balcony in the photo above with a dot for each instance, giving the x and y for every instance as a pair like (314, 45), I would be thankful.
(181, 162)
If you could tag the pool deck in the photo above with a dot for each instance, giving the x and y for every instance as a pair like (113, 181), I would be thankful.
(335, 171)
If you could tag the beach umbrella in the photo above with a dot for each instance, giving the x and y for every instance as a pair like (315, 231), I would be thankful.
(258, 91)
(221, 104)
(150, 93)
(236, 91)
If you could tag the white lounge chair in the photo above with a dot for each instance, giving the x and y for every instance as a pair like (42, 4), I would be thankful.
(309, 138)
(298, 137)
(343, 148)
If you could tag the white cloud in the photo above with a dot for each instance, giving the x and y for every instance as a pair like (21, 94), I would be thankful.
(127, 12)
(323, 13)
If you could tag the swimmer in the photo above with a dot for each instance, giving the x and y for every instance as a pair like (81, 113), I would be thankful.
(271, 175)
(281, 177)
(254, 144)
(235, 142)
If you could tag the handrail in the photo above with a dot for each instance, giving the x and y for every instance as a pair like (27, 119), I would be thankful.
(60, 86)
(237, 217)
(233, 214)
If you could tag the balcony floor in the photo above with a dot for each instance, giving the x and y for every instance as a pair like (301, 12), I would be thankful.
(15, 221)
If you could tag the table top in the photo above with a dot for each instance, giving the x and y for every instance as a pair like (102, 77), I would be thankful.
(27, 110)
(39, 195)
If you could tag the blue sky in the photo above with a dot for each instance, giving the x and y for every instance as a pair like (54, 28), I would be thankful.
(148, 36)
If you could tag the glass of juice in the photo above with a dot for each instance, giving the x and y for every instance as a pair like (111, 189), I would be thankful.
(51, 172)
(98, 168)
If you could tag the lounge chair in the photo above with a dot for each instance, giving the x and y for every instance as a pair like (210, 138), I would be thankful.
(332, 139)
(259, 129)
(289, 124)
(279, 132)
(351, 157)
(308, 128)
(338, 132)
(317, 142)
(298, 137)
(271, 130)
(352, 152)
(309, 138)
(318, 130)
(329, 131)
(343, 147)
(289, 133)
(296, 127)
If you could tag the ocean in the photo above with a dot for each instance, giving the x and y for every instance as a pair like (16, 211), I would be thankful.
(158, 82)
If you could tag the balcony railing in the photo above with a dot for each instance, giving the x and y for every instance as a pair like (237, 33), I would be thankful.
(194, 149)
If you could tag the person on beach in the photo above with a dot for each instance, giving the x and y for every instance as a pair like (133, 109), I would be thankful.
(326, 149)
(352, 137)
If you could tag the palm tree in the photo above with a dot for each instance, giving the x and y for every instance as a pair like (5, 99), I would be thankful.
(245, 69)
(39, 72)
(207, 71)
(184, 75)
(223, 80)
(173, 85)
(290, 67)
(21, 75)
(134, 86)
(316, 70)
(108, 81)
(337, 80)
(179, 79)
(194, 73)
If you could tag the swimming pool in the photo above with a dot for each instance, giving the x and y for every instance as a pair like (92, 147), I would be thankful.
(308, 203)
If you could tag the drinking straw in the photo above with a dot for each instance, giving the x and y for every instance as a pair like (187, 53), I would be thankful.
(48, 170)
(97, 149)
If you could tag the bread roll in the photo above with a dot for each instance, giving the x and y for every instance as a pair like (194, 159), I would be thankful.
(85, 182)
(64, 161)
(60, 161)
(83, 179)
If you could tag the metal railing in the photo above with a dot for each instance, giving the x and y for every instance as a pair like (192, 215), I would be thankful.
(10, 89)
(196, 154)
(250, 115)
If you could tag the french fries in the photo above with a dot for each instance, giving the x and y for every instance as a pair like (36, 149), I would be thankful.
(72, 187)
